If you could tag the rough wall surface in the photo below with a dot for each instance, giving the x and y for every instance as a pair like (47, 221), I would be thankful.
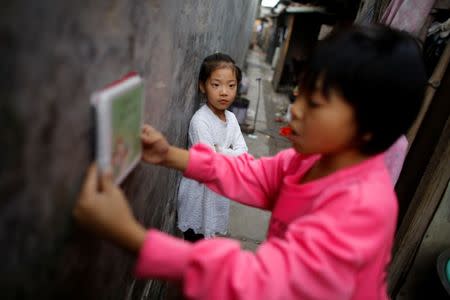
(54, 54)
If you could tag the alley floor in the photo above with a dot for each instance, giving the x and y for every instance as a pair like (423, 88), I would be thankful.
(248, 224)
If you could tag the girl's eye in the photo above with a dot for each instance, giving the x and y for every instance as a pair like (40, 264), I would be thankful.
(232, 86)
(215, 85)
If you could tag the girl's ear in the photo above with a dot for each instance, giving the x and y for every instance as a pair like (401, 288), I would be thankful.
(201, 86)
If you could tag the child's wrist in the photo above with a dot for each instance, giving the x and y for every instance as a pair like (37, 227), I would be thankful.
(168, 157)
(176, 158)
(133, 236)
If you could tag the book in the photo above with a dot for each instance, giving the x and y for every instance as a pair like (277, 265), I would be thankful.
(118, 118)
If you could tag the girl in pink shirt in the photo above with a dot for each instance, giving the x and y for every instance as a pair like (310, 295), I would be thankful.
(333, 206)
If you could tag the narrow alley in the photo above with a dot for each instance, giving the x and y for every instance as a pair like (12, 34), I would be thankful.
(116, 129)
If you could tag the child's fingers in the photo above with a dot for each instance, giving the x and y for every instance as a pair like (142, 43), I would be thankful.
(147, 129)
(87, 194)
(151, 136)
(107, 182)
(144, 137)
(90, 183)
(146, 132)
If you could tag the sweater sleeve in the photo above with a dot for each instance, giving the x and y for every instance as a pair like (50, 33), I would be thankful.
(238, 143)
(199, 133)
(319, 258)
(242, 178)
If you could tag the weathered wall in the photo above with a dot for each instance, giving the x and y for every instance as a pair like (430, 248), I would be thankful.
(54, 54)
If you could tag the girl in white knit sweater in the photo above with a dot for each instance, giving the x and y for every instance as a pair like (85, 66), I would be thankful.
(202, 212)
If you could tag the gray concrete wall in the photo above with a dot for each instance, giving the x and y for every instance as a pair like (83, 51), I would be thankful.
(54, 54)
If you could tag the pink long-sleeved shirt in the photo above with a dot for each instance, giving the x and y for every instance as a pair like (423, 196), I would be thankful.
(328, 239)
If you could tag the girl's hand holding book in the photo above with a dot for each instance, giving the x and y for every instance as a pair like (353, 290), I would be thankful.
(154, 145)
(103, 209)
(156, 150)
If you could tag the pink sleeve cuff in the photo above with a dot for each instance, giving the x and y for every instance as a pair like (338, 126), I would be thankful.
(162, 256)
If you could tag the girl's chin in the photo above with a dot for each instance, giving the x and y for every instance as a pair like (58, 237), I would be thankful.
(302, 150)
(223, 106)
(298, 148)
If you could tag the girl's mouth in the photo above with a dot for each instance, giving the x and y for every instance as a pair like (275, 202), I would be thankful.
(286, 131)
(293, 131)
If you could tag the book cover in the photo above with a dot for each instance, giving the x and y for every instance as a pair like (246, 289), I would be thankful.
(118, 111)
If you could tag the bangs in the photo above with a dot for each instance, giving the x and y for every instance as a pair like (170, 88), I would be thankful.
(315, 81)
(336, 65)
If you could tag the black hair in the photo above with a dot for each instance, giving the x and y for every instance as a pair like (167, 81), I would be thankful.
(379, 72)
(216, 61)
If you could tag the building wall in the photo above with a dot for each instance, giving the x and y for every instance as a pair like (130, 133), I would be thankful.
(54, 54)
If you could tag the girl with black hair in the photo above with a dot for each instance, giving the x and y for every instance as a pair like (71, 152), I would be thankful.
(202, 212)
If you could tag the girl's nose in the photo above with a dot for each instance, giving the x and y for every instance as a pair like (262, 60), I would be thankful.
(297, 109)
(223, 91)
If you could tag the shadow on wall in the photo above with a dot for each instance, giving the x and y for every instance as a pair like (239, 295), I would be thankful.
(54, 54)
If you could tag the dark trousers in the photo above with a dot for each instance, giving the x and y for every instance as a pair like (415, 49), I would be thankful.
(191, 236)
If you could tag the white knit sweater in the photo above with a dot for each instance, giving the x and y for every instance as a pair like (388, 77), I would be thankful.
(198, 207)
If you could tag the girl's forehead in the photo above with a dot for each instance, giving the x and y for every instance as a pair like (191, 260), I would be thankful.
(223, 73)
